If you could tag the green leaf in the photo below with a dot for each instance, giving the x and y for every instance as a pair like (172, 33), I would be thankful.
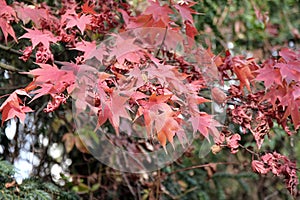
(95, 187)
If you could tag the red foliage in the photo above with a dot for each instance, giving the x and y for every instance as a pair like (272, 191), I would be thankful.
(279, 165)
(147, 83)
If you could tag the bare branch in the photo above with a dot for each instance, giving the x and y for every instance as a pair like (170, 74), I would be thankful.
(9, 67)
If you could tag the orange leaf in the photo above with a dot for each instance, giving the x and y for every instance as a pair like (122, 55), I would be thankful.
(162, 138)
(159, 98)
(244, 74)
(69, 140)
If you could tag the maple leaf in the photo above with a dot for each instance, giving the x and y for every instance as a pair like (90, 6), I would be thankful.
(118, 109)
(88, 48)
(147, 110)
(6, 10)
(113, 109)
(31, 13)
(7, 14)
(7, 30)
(194, 100)
(269, 75)
(13, 107)
(168, 130)
(289, 55)
(274, 94)
(81, 22)
(292, 108)
(139, 77)
(138, 22)
(158, 12)
(48, 73)
(126, 49)
(88, 9)
(191, 31)
(296, 91)
(290, 71)
(36, 36)
(71, 11)
(205, 124)
(186, 12)
(243, 72)
(162, 119)
(51, 80)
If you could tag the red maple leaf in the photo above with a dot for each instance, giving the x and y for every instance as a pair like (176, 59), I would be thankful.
(13, 106)
(159, 12)
(205, 124)
(292, 107)
(191, 31)
(113, 109)
(290, 71)
(51, 80)
(7, 14)
(88, 48)
(186, 12)
(243, 71)
(269, 75)
(88, 9)
(81, 22)
(32, 13)
(145, 109)
(125, 49)
(7, 29)
(289, 55)
(37, 36)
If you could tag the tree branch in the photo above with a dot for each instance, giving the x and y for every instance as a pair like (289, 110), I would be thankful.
(9, 67)
(6, 48)
(197, 167)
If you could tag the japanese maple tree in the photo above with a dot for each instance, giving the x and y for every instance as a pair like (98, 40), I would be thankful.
(146, 68)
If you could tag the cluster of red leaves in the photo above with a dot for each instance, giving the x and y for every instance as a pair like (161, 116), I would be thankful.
(147, 87)
(49, 29)
(282, 80)
(251, 114)
(257, 110)
(279, 165)
(150, 97)
(158, 15)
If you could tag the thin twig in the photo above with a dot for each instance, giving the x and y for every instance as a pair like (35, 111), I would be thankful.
(250, 151)
(158, 184)
(162, 42)
(6, 48)
(199, 166)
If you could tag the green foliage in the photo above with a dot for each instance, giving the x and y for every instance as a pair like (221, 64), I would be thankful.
(236, 21)
(32, 189)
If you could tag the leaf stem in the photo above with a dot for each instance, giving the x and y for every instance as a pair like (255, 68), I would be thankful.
(162, 42)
